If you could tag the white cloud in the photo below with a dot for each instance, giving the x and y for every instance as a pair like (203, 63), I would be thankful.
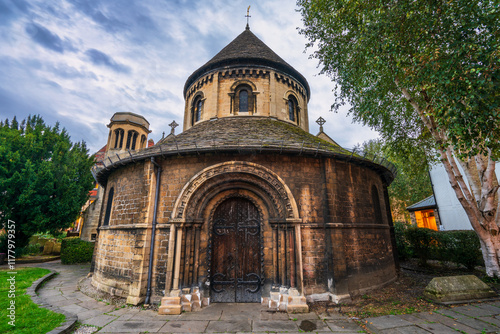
(160, 43)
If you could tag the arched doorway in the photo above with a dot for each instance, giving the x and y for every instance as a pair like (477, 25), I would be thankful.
(235, 274)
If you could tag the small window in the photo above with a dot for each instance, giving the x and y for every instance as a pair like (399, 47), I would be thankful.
(109, 205)
(293, 109)
(143, 141)
(196, 110)
(118, 138)
(376, 205)
(93, 237)
(131, 139)
(243, 101)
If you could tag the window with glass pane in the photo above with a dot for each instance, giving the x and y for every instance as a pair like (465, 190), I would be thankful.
(291, 110)
(243, 105)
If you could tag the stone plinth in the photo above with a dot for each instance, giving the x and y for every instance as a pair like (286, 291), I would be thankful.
(458, 289)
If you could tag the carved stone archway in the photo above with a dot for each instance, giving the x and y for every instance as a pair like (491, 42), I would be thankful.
(190, 237)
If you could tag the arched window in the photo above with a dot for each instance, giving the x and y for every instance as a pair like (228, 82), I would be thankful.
(293, 109)
(376, 205)
(118, 138)
(143, 141)
(196, 109)
(109, 205)
(243, 101)
(131, 139)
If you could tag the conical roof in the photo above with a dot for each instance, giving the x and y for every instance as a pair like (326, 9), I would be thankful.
(247, 49)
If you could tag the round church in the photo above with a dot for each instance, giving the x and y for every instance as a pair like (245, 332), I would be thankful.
(244, 205)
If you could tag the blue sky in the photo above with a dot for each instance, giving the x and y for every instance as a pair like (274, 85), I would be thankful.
(80, 61)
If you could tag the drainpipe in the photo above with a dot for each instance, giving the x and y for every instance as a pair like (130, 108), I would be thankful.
(153, 232)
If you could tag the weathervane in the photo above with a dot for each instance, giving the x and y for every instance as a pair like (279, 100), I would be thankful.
(248, 17)
(173, 125)
(320, 121)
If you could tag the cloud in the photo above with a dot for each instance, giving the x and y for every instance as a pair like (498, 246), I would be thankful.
(101, 59)
(47, 39)
(11, 9)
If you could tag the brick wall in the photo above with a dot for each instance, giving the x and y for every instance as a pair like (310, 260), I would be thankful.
(341, 240)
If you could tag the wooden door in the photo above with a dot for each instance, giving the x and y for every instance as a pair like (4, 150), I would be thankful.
(236, 254)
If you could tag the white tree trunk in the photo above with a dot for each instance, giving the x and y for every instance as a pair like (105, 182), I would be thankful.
(479, 198)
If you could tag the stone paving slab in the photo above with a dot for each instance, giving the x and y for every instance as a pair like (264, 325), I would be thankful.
(229, 326)
(437, 328)
(343, 326)
(478, 324)
(275, 326)
(119, 326)
(386, 322)
(180, 326)
(98, 321)
(404, 330)
(451, 323)
(473, 311)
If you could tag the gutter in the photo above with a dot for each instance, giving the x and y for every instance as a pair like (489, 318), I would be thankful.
(153, 232)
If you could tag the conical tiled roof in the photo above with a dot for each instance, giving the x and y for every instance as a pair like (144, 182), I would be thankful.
(247, 49)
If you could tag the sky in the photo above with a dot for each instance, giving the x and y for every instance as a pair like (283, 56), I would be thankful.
(77, 62)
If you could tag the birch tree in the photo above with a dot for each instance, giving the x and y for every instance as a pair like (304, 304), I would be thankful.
(423, 72)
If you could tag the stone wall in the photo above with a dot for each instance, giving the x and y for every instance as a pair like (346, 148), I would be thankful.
(344, 249)
(271, 90)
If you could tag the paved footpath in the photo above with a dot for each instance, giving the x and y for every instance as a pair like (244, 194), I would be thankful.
(61, 291)
(477, 318)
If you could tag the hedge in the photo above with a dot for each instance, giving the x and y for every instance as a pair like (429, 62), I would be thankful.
(461, 247)
(75, 250)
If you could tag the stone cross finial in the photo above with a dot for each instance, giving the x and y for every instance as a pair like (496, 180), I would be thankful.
(320, 121)
(173, 125)
(248, 17)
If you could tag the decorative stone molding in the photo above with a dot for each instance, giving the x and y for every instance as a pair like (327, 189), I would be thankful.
(270, 179)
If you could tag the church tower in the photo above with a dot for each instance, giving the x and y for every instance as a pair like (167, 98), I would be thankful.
(244, 79)
(127, 131)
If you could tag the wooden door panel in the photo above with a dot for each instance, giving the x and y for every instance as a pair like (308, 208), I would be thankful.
(236, 252)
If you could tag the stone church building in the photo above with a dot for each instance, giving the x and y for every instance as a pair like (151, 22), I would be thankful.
(244, 205)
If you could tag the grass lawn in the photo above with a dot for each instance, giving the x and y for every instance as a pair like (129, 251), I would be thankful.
(29, 318)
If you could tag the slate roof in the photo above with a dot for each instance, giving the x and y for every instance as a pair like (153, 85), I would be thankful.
(244, 135)
(426, 203)
(247, 49)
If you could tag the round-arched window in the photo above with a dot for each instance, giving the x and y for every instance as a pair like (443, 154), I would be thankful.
(243, 101)
(196, 110)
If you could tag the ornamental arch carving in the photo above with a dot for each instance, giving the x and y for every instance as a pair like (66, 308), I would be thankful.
(251, 177)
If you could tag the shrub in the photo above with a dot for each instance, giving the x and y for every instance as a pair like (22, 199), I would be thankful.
(403, 246)
(461, 247)
(32, 249)
(424, 243)
(75, 250)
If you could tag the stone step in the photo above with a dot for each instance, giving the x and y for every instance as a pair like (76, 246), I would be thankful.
(170, 309)
(171, 301)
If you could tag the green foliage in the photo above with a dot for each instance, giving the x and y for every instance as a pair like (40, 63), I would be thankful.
(32, 249)
(75, 250)
(445, 55)
(45, 178)
(412, 183)
(460, 247)
(402, 244)
(423, 243)
(28, 314)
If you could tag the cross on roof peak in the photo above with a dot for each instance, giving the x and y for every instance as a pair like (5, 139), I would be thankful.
(320, 121)
(173, 125)
(248, 18)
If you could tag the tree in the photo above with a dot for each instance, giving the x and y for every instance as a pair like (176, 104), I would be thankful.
(425, 72)
(44, 178)
(412, 182)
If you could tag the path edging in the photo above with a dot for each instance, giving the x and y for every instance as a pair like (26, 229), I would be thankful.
(71, 319)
